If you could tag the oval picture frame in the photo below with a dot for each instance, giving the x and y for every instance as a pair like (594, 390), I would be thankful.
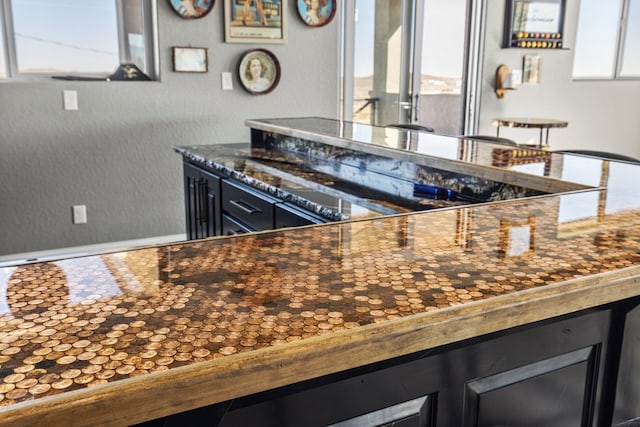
(192, 9)
(259, 71)
(316, 13)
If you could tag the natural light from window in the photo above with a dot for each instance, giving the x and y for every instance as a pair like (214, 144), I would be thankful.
(75, 37)
(83, 38)
(607, 40)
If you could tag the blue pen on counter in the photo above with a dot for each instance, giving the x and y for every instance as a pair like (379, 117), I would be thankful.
(442, 193)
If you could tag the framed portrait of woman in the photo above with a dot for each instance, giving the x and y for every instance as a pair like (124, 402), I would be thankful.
(259, 71)
(316, 13)
(192, 9)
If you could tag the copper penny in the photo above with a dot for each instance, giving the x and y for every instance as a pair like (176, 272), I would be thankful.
(14, 378)
(48, 378)
(17, 394)
(5, 388)
(125, 369)
(71, 373)
(66, 360)
(91, 369)
(39, 389)
(84, 379)
(106, 374)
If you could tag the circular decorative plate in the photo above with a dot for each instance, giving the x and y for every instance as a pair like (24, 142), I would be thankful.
(192, 9)
(259, 71)
(316, 13)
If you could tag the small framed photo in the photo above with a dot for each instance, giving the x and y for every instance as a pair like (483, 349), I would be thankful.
(190, 59)
(259, 71)
(531, 69)
(316, 13)
(192, 9)
(255, 21)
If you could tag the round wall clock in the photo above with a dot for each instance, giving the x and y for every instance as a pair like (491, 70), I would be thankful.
(192, 9)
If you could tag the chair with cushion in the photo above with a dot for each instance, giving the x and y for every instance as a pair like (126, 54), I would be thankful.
(412, 126)
(601, 154)
(494, 139)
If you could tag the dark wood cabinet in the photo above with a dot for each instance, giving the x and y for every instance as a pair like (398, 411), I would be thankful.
(217, 205)
(547, 374)
(247, 206)
(202, 202)
(627, 403)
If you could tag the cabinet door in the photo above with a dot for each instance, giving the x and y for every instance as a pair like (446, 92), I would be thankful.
(627, 400)
(202, 202)
(555, 392)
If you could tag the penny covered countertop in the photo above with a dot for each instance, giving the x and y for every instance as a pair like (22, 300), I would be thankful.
(123, 337)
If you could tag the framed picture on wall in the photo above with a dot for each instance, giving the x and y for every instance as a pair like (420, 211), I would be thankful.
(190, 59)
(259, 71)
(192, 9)
(534, 24)
(255, 21)
(531, 69)
(316, 13)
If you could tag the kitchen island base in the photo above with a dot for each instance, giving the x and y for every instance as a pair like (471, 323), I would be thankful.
(559, 372)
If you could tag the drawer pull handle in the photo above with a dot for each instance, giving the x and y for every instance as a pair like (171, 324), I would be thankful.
(245, 206)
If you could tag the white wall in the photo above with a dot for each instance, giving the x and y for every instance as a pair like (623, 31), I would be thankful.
(115, 154)
(602, 115)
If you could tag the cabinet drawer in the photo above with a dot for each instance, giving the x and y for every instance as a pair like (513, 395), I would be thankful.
(249, 207)
(231, 227)
(289, 216)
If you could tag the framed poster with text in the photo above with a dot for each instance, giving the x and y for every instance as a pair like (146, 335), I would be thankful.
(255, 21)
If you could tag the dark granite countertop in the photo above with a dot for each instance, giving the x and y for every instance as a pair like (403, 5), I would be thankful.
(314, 186)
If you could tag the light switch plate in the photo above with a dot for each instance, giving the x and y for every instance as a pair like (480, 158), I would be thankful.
(70, 100)
(227, 81)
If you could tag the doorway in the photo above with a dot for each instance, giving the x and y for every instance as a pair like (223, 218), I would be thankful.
(407, 61)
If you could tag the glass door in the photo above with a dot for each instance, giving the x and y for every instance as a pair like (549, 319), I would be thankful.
(404, 62)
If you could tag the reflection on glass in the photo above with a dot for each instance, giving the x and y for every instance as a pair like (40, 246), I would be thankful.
(438, 146)
(582, 170)
(5, 275)
(578, 206)
(3, 58)
(623, 192)
(631, 55)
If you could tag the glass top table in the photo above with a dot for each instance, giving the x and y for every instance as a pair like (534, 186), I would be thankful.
(531, 122)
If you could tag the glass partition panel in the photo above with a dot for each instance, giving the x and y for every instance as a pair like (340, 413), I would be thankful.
(631, 53)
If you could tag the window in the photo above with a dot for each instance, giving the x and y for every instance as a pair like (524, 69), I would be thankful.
(75, 37)
(608, 40)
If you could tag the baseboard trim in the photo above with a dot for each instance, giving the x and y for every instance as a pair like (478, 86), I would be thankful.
(75, 251)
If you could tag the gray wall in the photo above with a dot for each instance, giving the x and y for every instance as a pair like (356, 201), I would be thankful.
(602, 115)
(115, 155)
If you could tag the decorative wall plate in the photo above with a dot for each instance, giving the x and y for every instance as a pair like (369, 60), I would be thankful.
(192, 9)
(259, 71)
(316, 13)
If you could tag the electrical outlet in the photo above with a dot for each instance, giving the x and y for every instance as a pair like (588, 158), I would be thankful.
(79, 214)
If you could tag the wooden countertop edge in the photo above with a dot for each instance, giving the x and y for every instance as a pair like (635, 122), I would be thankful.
(134, 400)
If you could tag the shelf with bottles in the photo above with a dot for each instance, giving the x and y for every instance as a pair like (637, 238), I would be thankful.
(534, 24)
(527, 40)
